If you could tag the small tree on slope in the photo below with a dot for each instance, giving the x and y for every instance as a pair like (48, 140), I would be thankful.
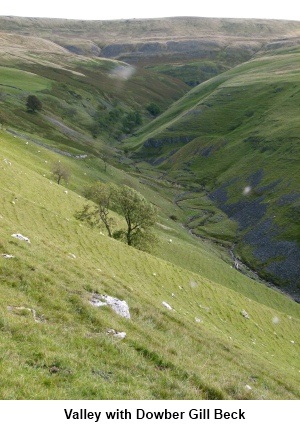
(59, 171)
(139, 214)
(33, 104)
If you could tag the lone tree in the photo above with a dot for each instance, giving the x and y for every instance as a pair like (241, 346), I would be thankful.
(60, 172)
(101, 195)
(153, 109)
(139, 214)
(33, 104)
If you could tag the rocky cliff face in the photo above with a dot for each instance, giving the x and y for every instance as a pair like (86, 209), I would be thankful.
(277, 259)
(150, 53)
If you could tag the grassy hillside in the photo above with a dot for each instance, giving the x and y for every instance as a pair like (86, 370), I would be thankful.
(62, 350)
(221, 166)
(79, 94)
(135, 30)
(234, 140)
(189, 48)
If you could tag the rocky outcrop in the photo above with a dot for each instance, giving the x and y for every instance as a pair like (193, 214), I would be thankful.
(276, 259)
(119, 306)
(193, 49)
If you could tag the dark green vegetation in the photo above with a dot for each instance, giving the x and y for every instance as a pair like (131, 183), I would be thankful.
(33, 104)
(220, 161)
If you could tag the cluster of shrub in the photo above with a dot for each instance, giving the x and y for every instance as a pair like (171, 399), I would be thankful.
(116, 121)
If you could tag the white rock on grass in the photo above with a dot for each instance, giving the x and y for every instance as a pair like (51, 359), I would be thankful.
(248, 388)
(166, 305)
(204, 307)
(116, 334)
(119, 306)
(20, 237)
(245, 314)
(7, 256)
(120, 335)
(198, 320)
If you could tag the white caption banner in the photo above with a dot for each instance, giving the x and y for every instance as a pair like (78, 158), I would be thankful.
(163, 414)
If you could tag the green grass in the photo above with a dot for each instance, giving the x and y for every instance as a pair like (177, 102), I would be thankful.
(73, 90)
(221, 354)
(84, 172)
(22, 81)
